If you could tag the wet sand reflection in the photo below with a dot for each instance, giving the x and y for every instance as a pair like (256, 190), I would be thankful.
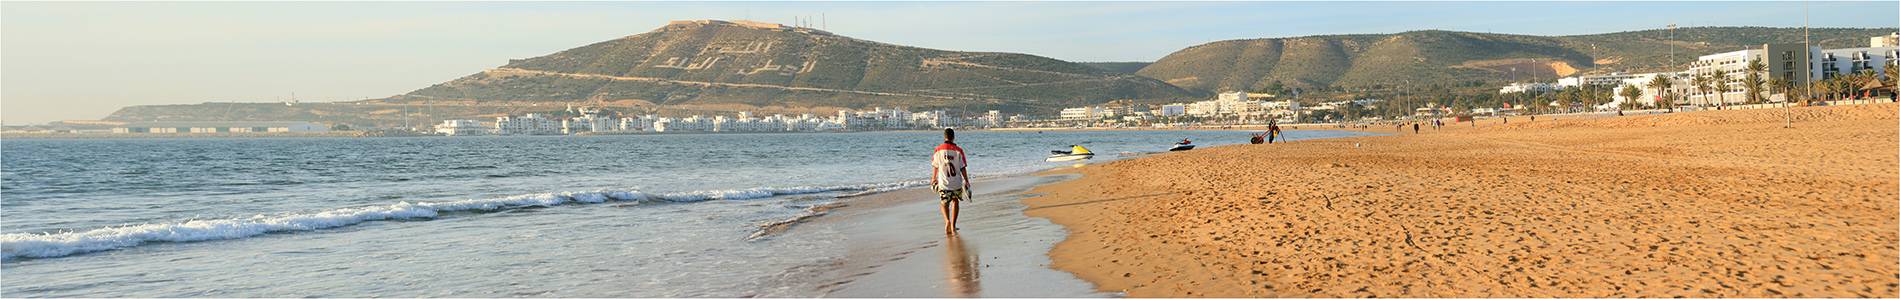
(962, 268)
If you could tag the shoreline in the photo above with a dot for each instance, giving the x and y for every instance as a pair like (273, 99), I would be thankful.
(1709, 203)
(898, 248)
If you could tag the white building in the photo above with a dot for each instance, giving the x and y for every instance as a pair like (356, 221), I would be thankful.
(637, 124)
(1171, 110)
(220, 127)
(1650, 95)
(993, 118)
(461, 127)
(1527, 87)
(531, 124)
(1231, 96)
(1083, 113)
(1891, 40)
(1782, 61)
(588, 123)
(1611, 79)
(688, 124)
(1836, 62)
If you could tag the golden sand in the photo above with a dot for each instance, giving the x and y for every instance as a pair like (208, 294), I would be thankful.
(1722, 203)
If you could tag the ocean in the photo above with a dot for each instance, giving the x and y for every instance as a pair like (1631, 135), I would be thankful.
(545, 216)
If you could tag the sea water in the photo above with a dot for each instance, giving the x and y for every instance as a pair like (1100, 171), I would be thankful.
(568, 216)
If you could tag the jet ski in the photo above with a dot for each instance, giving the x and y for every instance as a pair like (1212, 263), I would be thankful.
(1182, 146)
(1075, 153)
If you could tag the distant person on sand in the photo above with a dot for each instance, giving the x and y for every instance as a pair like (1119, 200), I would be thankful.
(1273, 131)
(1414, 128)
(949, 175)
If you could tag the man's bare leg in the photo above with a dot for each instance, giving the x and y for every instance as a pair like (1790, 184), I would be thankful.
(948, 223)
(954, 206)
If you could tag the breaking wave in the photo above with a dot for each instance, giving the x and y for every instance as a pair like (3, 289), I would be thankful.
(47, 245)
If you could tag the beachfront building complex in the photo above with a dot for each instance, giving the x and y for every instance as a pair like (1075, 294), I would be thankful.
(531, 124)
(1782, 62)
(594, 121)
(1527, 87)
(461, 127)
(200, 127)
(1650, 95)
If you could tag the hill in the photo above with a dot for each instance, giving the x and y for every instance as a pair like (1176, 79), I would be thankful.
(1128, 67)
(746, 64)
(1446, 57)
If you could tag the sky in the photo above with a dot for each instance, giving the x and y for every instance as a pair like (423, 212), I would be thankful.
(61, 61)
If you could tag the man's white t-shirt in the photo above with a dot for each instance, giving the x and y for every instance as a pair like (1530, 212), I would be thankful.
(948, 161)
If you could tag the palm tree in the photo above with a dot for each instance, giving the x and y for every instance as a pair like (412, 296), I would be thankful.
(1823, 88)
(1893, 73)
(1751, 81)
(1861, 79)
(1662, 83)
(1779, 85)
(1630, 93)
(1702, 84)
(1721, 87)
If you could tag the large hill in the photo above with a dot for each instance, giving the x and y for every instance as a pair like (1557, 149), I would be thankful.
(1442, 57)
(747, 64)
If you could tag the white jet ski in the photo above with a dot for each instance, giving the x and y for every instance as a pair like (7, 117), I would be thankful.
(1182, 146)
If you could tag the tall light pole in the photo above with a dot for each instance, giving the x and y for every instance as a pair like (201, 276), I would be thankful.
(1672, 61)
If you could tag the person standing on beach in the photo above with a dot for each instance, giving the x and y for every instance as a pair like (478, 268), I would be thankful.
(1273, 131)
(1414, 128)
(949, 176)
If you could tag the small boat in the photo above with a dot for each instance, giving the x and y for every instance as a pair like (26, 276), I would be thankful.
(1076, 153)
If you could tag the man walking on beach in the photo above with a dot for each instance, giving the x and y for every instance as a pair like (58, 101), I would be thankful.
(949, 175)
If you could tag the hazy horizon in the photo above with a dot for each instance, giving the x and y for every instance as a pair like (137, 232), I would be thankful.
(85, 60)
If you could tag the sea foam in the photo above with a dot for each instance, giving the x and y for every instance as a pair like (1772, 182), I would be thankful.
(47, 245)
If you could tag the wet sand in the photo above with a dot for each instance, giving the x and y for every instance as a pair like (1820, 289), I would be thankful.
(898, 248)
(1704, 204)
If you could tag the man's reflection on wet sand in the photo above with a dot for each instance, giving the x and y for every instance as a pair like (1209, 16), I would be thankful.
(962, 267)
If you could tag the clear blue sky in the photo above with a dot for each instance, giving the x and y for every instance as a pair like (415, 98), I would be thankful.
(85, 60)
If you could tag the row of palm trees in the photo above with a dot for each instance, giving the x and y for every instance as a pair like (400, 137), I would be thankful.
(1843, 86)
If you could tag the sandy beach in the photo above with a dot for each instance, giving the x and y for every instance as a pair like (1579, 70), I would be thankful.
(1703, 204)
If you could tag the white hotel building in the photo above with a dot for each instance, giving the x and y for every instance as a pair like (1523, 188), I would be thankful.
(461, 127)
(1650, 95)
(531, 124)
(1783, 61)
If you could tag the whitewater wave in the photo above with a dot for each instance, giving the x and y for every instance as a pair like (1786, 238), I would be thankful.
(47, 245)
